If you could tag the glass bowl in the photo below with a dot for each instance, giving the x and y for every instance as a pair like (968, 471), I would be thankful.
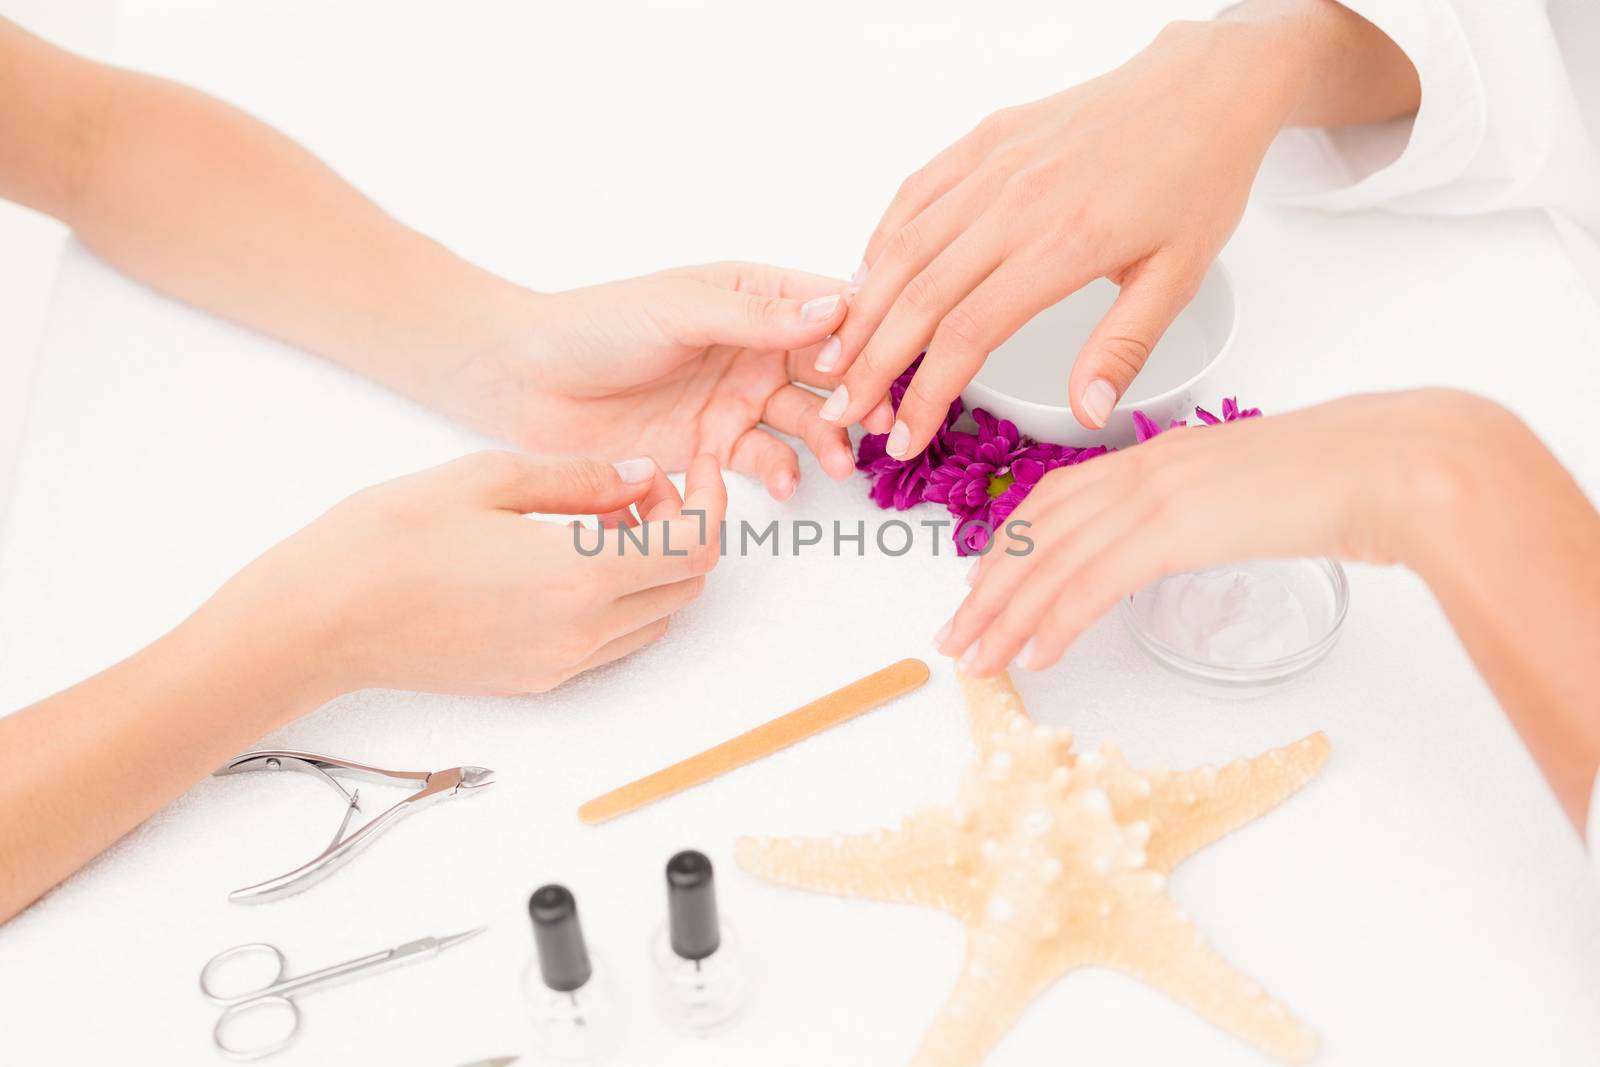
(1311, 599)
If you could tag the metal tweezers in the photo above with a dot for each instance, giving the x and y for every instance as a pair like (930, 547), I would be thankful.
(431, 786)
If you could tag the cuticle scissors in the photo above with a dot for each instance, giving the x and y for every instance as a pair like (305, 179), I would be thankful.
(279, 992)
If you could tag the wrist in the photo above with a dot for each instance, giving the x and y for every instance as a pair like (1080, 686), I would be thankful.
(1451, 475)
(1258, 66)
(270, 648)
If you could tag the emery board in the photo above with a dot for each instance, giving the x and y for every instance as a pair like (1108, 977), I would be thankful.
(838, 706)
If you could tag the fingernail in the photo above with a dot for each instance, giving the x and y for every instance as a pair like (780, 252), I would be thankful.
(1025, 657)
(969, 656)
(785, 486)
(837, 401)
(634, 471)
(819, 309)
(899, 440)
(860, 275)
(828, 356)
(1098, 400)
(943, 635)
(972, 574)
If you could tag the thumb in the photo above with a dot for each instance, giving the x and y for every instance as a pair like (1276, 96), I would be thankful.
(1150, 299)
(711, 315)
(524, 484)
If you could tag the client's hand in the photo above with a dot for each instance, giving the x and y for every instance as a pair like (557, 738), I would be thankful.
(437, 582)
(700, 359)
(1369, 478)
(1138, 176)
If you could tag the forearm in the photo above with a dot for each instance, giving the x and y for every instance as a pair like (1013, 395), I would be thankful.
(82, 768)
(1511, 548)
(204, 203)
(1340, 69)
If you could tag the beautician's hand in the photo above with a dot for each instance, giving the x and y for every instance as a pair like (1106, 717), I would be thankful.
(437, 581)
(1138, 176)
(700, 359)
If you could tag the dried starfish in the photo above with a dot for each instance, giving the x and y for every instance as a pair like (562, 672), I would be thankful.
(1056, 861)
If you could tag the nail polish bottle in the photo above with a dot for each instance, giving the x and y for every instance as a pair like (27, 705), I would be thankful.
(700, 976)
(575, 1018)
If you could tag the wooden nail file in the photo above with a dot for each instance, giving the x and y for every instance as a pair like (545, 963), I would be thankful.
(839, 706)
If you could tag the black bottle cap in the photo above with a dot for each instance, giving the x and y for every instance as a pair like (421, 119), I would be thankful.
(692, 906)
(563, 958)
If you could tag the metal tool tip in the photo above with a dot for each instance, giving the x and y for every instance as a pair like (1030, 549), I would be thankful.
(473, 777)
(456, 939)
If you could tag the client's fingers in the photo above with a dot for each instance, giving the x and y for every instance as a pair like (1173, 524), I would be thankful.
(625, 645)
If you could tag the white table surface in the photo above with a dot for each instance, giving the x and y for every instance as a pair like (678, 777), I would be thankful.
(1422, 902)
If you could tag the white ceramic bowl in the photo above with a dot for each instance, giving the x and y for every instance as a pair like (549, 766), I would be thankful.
(1025, 379)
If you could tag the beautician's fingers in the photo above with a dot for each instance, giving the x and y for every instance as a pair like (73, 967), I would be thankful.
(1153, 293)
(625, 645)
(764, 279)
(638, 609)
(663, 500)
(760, 455)
(695, 315)
(527, 484)
(793, 410)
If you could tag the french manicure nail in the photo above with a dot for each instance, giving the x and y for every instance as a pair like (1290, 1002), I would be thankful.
(969, 656)
(1098, 399)
(1025, 657)
(837, 401)
(860, 275)
(943, 634)
(634, 471)
(828, 355)
(899, 440)
(819, 309)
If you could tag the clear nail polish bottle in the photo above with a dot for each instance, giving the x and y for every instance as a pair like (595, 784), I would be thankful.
(700, 976)
(575, 1017)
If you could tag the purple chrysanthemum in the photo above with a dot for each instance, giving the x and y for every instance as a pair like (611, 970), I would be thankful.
(1230, 412)
(981, 477)
(897, 483)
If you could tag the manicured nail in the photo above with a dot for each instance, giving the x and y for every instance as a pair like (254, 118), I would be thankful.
(1025, 657)
(969, 656)
(785, 486)
(819, 309)
(634, 471)
(837, 401)
(899, 440)
(828, 355)
(1098, 400)
(860, 275)
(943, 635)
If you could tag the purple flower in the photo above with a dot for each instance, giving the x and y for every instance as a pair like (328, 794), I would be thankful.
(896, 483)
(1230, 412)
(981, 477)
(986, 474)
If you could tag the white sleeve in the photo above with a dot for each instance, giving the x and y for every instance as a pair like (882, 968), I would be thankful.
(1502, 122)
